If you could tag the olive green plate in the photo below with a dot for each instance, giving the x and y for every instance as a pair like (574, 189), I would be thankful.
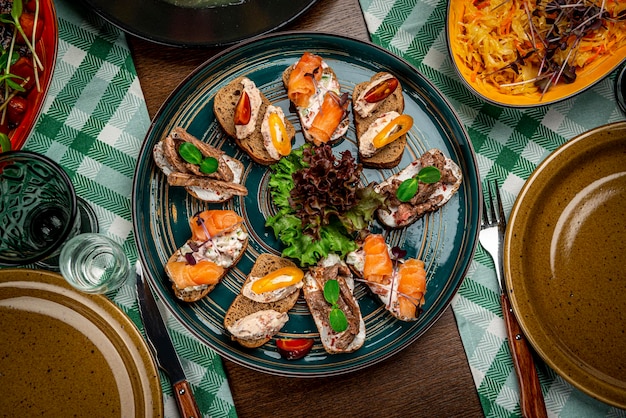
(444, 240)
(64, 352)
(565, 258)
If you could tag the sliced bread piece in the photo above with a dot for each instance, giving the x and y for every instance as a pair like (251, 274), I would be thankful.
(306, 115)
(243, 306)
(224, 105)
(390, 155)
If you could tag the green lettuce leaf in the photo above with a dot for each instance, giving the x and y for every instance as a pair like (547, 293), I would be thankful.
(335, 237)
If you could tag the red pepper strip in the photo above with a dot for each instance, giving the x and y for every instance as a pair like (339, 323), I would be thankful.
(243, 111)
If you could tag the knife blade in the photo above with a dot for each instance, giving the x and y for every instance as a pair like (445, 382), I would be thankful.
(163, 349)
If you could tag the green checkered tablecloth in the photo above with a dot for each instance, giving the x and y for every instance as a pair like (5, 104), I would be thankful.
(93, 122)
(509, 145)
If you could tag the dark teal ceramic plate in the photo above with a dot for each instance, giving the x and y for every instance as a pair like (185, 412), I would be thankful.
(199, 23)
(445, 240)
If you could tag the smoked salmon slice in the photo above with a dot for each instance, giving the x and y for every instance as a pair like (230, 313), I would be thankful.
(303, 79)
(187, 275)
(325, 123)
(378, 265)
(411, 287)
(211, 223)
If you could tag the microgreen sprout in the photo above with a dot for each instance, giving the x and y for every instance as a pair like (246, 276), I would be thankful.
(14, 19)
(337, 319)
(408, 188)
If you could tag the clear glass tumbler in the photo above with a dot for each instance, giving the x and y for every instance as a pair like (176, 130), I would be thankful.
(94, 263)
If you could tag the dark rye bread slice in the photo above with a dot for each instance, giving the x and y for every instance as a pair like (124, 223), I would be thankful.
(242, 306)
(224, 105)
(390, 155)
(194, 294)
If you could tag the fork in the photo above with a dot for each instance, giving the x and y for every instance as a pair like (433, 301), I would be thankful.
(491, 237)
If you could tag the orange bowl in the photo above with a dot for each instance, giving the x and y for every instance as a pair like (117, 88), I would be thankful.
(585, 79)
(47, 50)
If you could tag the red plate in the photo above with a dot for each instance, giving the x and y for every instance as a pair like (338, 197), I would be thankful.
(47, 50)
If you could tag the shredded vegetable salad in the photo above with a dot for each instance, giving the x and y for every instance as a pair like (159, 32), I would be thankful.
(524, 47)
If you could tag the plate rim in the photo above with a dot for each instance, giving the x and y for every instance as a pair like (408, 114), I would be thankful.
(561, 365)
(469, 151)
(107, 10)
(121, 322)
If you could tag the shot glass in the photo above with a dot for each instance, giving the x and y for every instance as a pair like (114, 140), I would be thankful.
(38, 208)
(94, 263)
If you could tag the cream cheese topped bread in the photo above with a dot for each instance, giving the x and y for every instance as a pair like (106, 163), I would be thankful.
(245, 114)
(314, 89)
(429, 198)
(260, 309)
(218, 241)
(353, 337)
(377, 103)
(216, 187)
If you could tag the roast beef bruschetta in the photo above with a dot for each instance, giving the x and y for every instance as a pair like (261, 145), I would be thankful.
(217, 186)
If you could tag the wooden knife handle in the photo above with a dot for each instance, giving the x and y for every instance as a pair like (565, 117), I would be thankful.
(186, 402)
(531, 398)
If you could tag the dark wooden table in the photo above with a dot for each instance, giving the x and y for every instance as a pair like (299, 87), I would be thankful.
(430, 378)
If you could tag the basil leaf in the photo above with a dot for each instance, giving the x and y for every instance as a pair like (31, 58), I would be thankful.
(331, 291)
(407, 189)
(5, 143)
(338, 320)
(190, 153)
(208, 165)
(429, 174)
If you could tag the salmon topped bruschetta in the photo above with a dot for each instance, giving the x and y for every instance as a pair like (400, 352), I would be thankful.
(313, 87)
(399, 284)
(218, 240)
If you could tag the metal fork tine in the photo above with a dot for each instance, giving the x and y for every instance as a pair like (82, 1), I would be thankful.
(492, 207)
(485, 215)
(501, 217)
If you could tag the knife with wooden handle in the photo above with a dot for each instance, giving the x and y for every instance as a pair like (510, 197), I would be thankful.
(163, 349)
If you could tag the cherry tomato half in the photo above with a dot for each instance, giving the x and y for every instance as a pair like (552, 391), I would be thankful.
(381, 91)
(243, 111)
(294, 348)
